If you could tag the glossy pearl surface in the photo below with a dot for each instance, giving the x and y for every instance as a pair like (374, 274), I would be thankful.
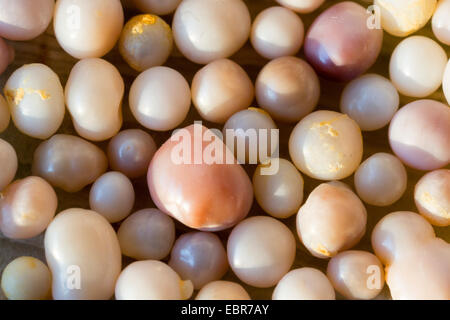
(8, 159)
(222, 290)
(4, 114)
(6, 55)
(301, 6)
(441, 22)
(161, 7)
(446, 82)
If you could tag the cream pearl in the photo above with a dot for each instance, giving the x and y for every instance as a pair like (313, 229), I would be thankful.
(151, 280)
(446, 82)
(8, 159)
(417, 66)
(4, 114)
(69, 162)
(381, 179)
(220, 89)
(222, 290)
(157, 87)
(207, 30)
(94, 93)
(304, 284)
(249, 239)
(279, 194)
(371, 100)
(36, 100)
(88, 28)
(302, 6)
(288, 88)
(277, 32)
(441, 22)
(147, 234)
(157, 6)
(326, 145)
(26, 278)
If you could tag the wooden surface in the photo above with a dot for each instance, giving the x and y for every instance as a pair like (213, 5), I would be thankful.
(46, 50)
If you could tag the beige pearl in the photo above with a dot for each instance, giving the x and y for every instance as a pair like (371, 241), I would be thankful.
(446, 82)
(301, 6)
(69, 162)
(221, 89)
(257, 235)
(4, 114)
(88, 28)
(83, 254)
(277, 32)
(8, 159)
(161, 7)
(36, 100)
(94, 93)
(304, 284)
(222, 290)
(441, 22)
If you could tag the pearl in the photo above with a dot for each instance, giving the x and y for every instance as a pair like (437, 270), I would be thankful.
(441, 22)
(207, 30)
(417, 66)
(157, 6)
(156, 87)
(277, 32)
(446, 82)
(371, 100)
(6, 55)
(287, 88)
(36, 100)
(8, 159)
(418, 134)
(220, 89)
(4, 114)
(249, 239)
(222, 290)
(302, 6)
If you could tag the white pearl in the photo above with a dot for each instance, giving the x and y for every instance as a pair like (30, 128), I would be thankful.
(441, 22)
(8, 159)
(446, 82)
(302, 6)
(5, 116)
(222, 290)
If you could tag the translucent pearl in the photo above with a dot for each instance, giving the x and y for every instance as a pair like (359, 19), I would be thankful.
(6, 55)
(27, 207)
(446, 82)
(26, 278)
(131, 151)
(432, 197)
(220, 89)
(146, 41)
(4, 114)
(147, 234)
(69, 162)
(36, 100)
(151, 280)
(279, 194)
(199, 257)
(88, 29)
(332, 219)
(156, 87)
(381, 179)
(371, 100)
(326, 145)
(112, 195)
(277, 32)
(207, 30)
(222, 290)
(441, 22)
(157, 6)
(83, 254)
(257, 235)
(24, 19)
(288, 88)
(8, 159)
(94, 93)
(302, 6)
(304, 284)
(418, 134)
(356, 274)
(417, 66)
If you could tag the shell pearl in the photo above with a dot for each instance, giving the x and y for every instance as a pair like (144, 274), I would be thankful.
(4, 114)
(207, 30)
(222, 290)
(6, 55)
(302, 6)
(253, 236)
(441, 22)
(8, 159)
(157, 6)
(446, 82)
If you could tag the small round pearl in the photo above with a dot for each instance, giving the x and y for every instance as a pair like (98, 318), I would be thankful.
(4, 114)
(222, 290)
(157, 6)
(446, 82)
(441, 22)
(302, 6)
(8, 159)
(6, 55)
(277, 32)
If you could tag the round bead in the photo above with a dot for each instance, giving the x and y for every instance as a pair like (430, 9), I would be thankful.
(446, 82)
(222, 290)
(160, 7)
(302, 6)
(441, 22)
(4, 114)
(8, 159)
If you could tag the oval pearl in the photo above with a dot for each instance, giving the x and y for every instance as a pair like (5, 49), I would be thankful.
(6, 55)
(304, 284)
(157, 6)
(222, 290)
(27, 207)
(446, 82)
(8, 159)
(131, 151)
(156, 87)
(146, 41)
(81, 243)
(277, 32)
(151, 280)
(302, 6)
(332, 219)
(339, 45)
(26, 278)
(441, 22)
(207, 30)
(418, 134)
(381, 179)
(417, 66)
(356, 274)
(288, 88)
(326, 145)
(216, 201)
(22, 20)
(147, 234)
(371, 100)
(253, 236)
(432, 197)
(220, 89)
(4, 114)
(69, 162)
(36, 100)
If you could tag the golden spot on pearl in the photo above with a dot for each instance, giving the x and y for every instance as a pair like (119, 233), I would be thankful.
(145, 20)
